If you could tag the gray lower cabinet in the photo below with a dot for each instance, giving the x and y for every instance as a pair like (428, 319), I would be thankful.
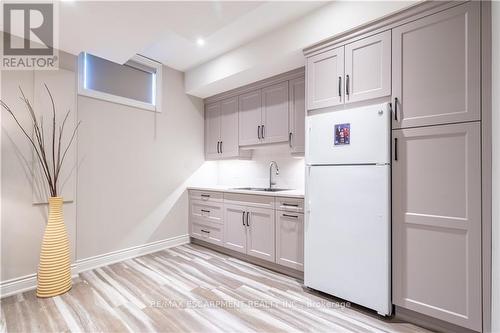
(436, 66)
(260, 236)
(235, 229)
(266, 227)
(249, 230)
(208, 232)
(437, 222)
(297, 116)
(290, 239)
(206, 216)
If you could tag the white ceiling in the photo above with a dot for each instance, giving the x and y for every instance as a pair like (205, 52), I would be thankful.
(167, 31)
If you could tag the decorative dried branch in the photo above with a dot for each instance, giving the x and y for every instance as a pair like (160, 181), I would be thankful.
(37, 141)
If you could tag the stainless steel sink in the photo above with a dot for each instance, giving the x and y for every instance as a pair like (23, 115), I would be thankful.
(262, 189)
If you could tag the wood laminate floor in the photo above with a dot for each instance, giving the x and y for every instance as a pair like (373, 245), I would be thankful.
(187, 289)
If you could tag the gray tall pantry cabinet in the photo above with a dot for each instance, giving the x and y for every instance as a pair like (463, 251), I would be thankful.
(437, 166)
(428, 67)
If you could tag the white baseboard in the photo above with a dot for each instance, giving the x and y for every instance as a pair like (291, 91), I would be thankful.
(28, 282)
(131, 252)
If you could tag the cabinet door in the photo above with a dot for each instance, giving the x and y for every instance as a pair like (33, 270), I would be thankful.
(235, 229)
(290, 239)
(212, 131)
(297, 115)
(275, 113)
(325, 75)
(260, 237)
(437, 222)
(250, 118)
(368, 68)
(229, 127)
(436, 68)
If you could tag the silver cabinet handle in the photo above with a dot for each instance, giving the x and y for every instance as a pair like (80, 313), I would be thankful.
(248, 215)
(347, 84)
(205, 211)
(294, 216)
(205, 231)
(340, 86)
(290, 139)
(258, 132)
(289, 204)
(243, 218)
(221, 147)
(262, 132)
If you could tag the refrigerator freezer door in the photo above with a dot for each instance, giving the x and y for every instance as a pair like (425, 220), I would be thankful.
(354, 136)
(347, 234)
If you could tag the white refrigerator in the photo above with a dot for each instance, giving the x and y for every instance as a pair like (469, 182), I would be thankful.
(348, 219)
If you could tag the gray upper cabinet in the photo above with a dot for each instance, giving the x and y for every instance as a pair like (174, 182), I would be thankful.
(264, 115)
(221, 129)
(325, 75)
(368, 68)
(356, 72)
(436, 68)
(437, 222)
(271, 112)
(296, 116)
(250, 118)
(275, 113)
(229, 127)
(212, 131)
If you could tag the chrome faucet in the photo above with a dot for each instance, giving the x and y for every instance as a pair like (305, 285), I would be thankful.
(271, 172)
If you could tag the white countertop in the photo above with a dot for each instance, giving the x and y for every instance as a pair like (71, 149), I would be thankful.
(228, 189)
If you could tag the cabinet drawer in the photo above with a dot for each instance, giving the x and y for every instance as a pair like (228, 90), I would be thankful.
(206, 210)
(208, 232)
(290, 204)
(249, 200)
(205, 195)
(290, 240)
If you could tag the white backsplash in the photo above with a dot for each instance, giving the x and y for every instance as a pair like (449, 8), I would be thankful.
(255, 172)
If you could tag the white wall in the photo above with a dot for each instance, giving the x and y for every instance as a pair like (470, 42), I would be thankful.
(281, 50)
(255, 172)
(22, 223)
(496, 166)
(134, 168)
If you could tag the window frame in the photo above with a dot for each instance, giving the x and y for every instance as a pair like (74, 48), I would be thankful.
(157, 77)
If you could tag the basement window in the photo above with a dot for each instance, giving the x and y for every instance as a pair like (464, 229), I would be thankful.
(136, 83)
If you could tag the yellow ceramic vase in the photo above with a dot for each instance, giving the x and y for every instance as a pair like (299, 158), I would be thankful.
(54, 270)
